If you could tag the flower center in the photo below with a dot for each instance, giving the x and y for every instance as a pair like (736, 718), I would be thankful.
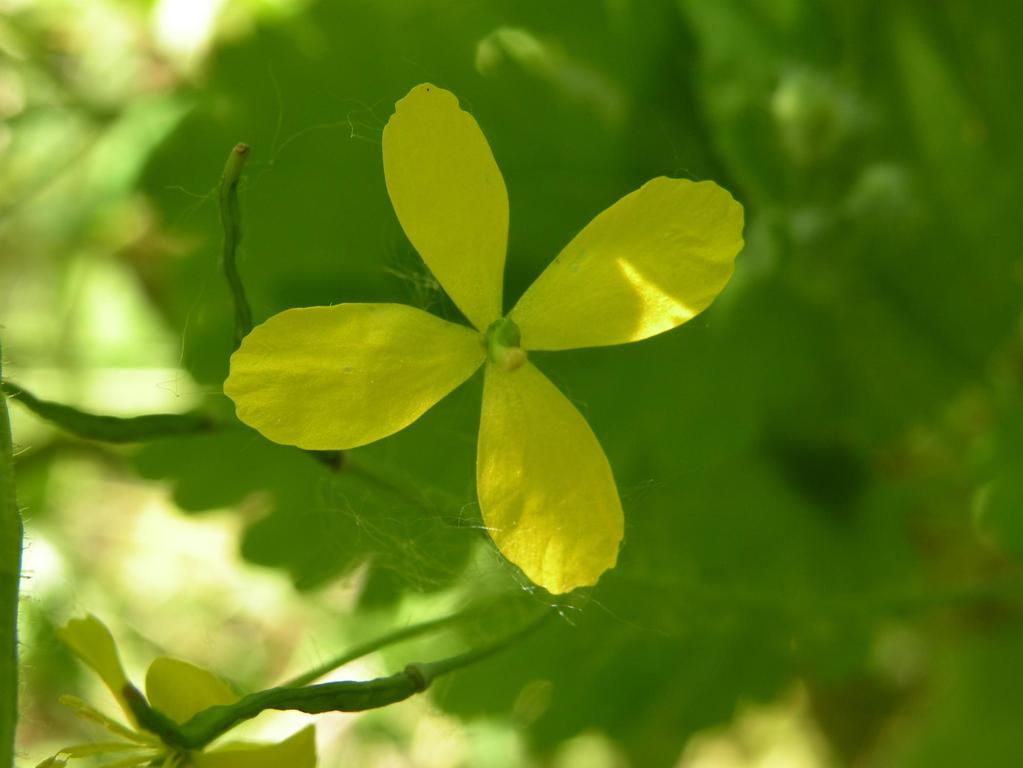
(502, 340)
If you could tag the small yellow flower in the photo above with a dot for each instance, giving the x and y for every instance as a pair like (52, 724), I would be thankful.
(339, 377)
(179, 690)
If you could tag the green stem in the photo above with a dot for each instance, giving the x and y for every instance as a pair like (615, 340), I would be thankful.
(231, 221)
(434, 669)
(11, 533)
(110, 429)
(347, 696)
(405, 633)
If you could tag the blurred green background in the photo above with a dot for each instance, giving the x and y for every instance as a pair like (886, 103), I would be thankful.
(822, 474)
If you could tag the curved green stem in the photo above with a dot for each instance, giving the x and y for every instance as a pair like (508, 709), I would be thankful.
(231, 221)
(347, 696)
(434, 669)
(11, 533)
(110, 429)
(405, 633)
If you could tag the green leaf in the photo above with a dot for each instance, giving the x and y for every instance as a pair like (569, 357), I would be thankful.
(319, 524)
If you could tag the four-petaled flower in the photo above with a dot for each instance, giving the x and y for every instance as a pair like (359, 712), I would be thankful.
(177, 689)
(342, 376)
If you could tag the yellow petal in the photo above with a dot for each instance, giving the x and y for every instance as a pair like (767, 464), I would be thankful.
(647, 264)
(91, 641)
(338, 377)
(180, 689)
(143, 755)
(91, 715)
(297, 751)
(133, 761)
(546, 491)
(450, 198)
(110, 747)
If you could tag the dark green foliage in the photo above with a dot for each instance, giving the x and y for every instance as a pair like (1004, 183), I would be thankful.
(315, 522)
(771, 533)
(825, 466)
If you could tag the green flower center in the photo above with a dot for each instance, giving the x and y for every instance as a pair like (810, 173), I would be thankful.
(502, 340)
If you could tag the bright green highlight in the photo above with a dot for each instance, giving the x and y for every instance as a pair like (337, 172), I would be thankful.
(178, 690)
(339, 377)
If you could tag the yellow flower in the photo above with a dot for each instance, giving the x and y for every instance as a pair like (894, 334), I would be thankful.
(177, 689)
(342, 376)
